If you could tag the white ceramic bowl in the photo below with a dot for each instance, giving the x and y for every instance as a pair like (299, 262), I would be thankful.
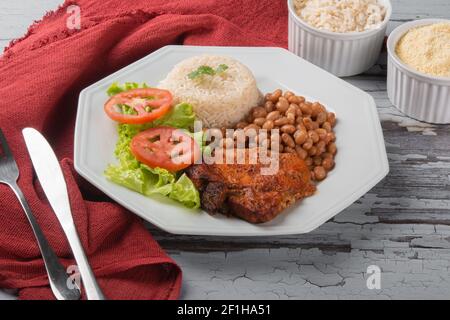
(421, 96)
(343, 54)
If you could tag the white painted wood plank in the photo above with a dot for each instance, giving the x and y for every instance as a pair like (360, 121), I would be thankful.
(3, 44)
(16, 16)
(309, 274)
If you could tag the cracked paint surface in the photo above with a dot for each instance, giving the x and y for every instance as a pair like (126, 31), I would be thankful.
(310, 274)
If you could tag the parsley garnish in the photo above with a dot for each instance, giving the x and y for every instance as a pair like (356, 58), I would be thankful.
(207, 70)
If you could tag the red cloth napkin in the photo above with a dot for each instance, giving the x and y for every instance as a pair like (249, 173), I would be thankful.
(41, 76)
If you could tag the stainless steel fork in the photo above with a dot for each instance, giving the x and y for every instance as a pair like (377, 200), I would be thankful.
(58, 278)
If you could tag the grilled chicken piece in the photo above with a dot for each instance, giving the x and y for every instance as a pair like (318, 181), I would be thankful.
(242, 191)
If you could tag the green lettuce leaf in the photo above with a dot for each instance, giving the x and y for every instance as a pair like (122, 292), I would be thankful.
(132, 174)
(181, 116)
(116, 88)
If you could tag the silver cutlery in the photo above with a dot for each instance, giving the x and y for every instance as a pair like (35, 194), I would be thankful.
(52, 181)
(57, 275)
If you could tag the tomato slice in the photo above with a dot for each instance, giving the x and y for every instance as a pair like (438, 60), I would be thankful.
(165, 147)
(148, 104)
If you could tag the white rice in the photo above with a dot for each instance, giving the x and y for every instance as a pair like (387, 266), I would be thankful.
(219, 100)
(341, 15)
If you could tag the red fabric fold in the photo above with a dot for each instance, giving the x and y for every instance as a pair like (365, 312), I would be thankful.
(41, 76)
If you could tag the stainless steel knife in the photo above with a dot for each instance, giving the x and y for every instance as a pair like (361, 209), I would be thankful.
(52, 181)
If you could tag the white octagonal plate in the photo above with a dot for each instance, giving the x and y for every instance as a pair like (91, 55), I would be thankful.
(361, 161)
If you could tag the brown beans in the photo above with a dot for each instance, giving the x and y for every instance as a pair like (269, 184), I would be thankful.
(292, 109)
(287, 139)
(301, 152)
(306, 109)
(281, 121)
(268, 125)
(314, 136)
(274, 115)
(321, 117)
(326, 155)
(326, 126)
(241, 125)
(306, 129)
(269, 106)
(300, 136)
(288, 128)
(331, 136)
(291, 118)
(308, 123)
(250, 128)
(319, 173)
(259, 121)
(274, 96)
(332, 148)
(292, 99)
(316, 108)
(288, 94)
(331, 118)
(289, 150)
(301, 99)
(296, 99)
(259, 112)
(308, 161)
(301, 127)
(282, 105)
(321, 147)
(322, 133)
(317, 160)
(312, 151)
(277, 93)
(308, 144)
(328, 163)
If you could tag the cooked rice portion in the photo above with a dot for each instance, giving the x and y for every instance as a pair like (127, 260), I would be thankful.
(341, 15)
(219, 100)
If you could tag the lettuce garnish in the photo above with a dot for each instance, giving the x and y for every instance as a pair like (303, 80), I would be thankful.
(132, 174)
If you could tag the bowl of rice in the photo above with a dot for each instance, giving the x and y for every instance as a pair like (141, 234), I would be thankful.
(344, 37)
(220, 99)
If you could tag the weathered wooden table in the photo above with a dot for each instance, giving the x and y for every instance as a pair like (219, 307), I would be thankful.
(402, 225)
